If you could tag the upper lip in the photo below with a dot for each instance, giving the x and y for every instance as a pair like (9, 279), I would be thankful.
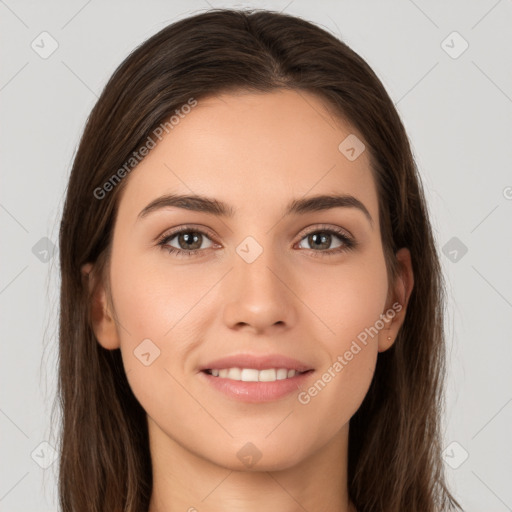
(261, 362)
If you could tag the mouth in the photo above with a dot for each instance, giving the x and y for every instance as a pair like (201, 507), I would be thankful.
(254, 386)
(255, 375)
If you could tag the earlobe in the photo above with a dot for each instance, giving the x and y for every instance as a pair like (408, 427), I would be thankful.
(101, 318)
(396, 309)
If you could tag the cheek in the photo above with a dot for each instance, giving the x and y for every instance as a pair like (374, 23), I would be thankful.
(159, 309)
(347, 299)
(349, 305)
(337, 392)
(153, 299)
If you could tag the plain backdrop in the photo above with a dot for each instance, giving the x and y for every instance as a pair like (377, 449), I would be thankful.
(447, 67)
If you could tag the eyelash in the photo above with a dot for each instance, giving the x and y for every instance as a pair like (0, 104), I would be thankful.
(348, 243)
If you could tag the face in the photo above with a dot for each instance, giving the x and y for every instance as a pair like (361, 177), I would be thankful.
(305, 284)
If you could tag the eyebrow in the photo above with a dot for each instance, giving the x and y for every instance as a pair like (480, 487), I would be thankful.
(214, 207)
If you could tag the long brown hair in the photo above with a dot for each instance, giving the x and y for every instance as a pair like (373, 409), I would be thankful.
(395, 437)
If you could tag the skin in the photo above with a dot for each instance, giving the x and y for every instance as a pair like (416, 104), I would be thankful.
(255, 152)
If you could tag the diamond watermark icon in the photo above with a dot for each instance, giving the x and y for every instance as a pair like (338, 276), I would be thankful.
(249, 249)
(455, 455)
(44, 45)
(44, 249)
(351, 147)
(44, 455)
(454, 45)
(146, 352)
(454, 249)
(249, 455)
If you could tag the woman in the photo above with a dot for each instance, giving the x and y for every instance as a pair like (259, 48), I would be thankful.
(251, 299)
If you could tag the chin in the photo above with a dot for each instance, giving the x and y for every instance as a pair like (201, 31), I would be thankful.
(259, 456)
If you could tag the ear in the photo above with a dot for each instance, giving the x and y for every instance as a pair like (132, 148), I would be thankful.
(102, 319)
(397, 300)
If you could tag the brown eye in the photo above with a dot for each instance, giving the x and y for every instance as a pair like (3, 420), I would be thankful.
(192, 239)
(322, 241)
(189, 241)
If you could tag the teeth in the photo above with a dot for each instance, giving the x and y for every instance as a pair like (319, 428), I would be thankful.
(282, 373)
(252, 375)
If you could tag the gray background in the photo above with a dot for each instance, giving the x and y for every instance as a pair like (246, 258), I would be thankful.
(456, 108)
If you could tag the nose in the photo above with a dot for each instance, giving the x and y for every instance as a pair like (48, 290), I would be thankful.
(259, 295)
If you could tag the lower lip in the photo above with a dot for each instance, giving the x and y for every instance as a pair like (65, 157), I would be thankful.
(256, 392)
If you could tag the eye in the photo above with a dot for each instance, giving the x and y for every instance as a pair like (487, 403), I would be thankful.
(189, 241)
(323, 238)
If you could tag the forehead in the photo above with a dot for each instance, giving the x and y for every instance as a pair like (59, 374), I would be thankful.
(254, 151)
